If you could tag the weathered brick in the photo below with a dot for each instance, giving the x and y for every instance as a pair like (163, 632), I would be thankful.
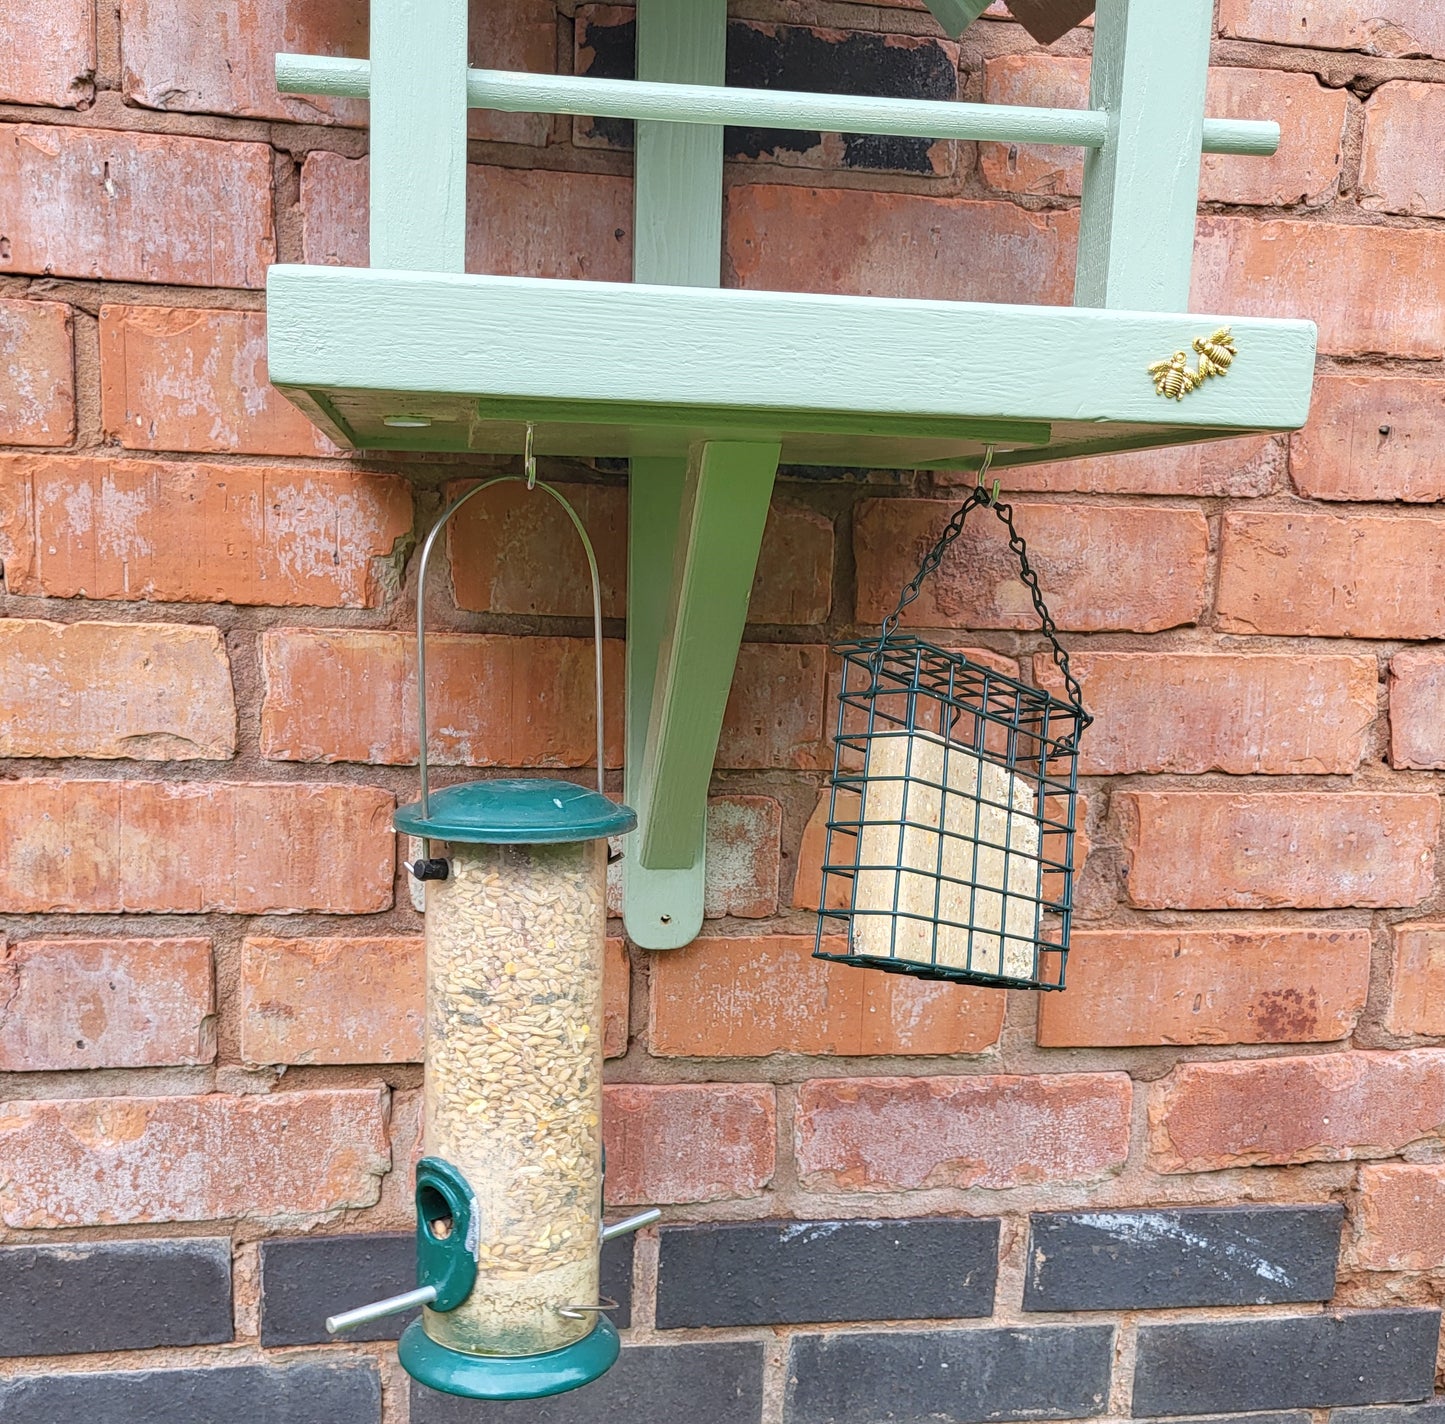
(147, 691)
(349, 694)
(1088, 559)
(106, 1003)
(897, 245)
(1286, 714)
(37, 367)
(1268, 985)
(1371, 438)
(1156, 1260)
(191, 848)
(1311, 1361)
(886, 1134)
(1400, 1218)
(47, 53)
(86, 1297)
(360, 1000)
(1306, 168)
(799, 1272)
(1350, 575)
(496, 546)
(191, 379)
(1211, 850)
(520, 222)
(1417, 695)
(1332, 1107)
(776, 712)
(1283, 269)
(964, 1376)
(1429, 1412)
(688, 1142)
(743, 998)
(132, 207)
(106, 1161)
(1403, 120)
(233, 533)
(1417, 980)
(1397, 27)
(344, 1392)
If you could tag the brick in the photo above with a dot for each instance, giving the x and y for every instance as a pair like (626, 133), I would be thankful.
(496, 547)
(47, 53)
(1333, 1107)
(97, 847)
(191, 379)
(520, 222)
(1311, 1362)
(1417, 693)
(346, 1392)
(1178, 986)
(360, 1000)
(1417, 980)
(1402, 120)
(305, 1279)
(650, 1384)
(1371, 438)
(1400, 1218)
(897, 245)
(966, 1377)
(145, 691)
(1406, 27)
(109, 1161)
(777, 709)
(1088, 560)
(743, 998)
(1207, 850)
(801, 1272)
(889, 1134)
(1306, 168)
(1430, 1412)
(349, 694)
(234, 533)
(688, 1142)
(86, 1297)
(1157, 1260)
(1274, 713)
(1281, 269)
(37, 365)
(106, 1003)
(131, 207)
(744, 836)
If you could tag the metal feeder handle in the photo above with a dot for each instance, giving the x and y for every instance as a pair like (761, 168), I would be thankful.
(532, 482)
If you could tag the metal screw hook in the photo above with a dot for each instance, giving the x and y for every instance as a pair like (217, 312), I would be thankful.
(529, 460)
(983, 469)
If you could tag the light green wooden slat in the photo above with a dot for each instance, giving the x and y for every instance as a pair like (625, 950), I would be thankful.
(773, 108)
(419, 134)
(1141, 190)
(957, 15)
(338, 327)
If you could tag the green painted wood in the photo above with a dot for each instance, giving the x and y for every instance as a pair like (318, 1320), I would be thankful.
(957, 15)
(831, 113)
(419, 135)
(724, 507)
(1141, 189)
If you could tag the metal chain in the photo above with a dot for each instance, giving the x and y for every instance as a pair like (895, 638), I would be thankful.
(981, 496)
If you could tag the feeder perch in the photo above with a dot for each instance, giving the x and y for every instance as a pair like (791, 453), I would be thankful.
(705, 390)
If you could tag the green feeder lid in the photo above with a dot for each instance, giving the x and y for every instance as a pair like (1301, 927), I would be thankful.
(516, 811)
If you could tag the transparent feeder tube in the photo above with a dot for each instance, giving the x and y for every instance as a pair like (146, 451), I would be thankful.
(515, 938)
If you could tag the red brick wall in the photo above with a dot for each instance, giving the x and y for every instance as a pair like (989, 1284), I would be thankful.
(206, 716)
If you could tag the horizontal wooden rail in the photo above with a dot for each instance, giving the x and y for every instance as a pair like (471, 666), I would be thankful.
(706, 104)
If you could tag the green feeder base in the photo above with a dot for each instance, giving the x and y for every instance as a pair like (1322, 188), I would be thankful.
(508, 1376)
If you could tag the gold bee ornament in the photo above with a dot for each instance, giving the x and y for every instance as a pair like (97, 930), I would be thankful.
(1215, 352)
(1174, 378)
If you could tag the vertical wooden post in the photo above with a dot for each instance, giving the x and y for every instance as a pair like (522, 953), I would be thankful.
(419, 134)
(1141, 189)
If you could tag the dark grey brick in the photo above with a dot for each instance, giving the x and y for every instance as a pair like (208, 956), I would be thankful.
(348, 1392)
(950, 1377)
(650, 1384)
(1287, 1416)
(1309, 1362)
(1432, 1411)
(1147, 1260)
(114, 1295)
(799, 1272)
(305, 1280)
